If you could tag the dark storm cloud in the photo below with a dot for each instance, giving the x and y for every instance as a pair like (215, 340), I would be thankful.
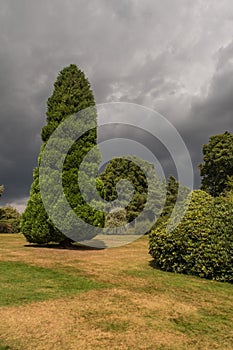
(213, 113)
(173, 57)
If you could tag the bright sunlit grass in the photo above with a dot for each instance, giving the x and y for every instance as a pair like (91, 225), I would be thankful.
(22, 283)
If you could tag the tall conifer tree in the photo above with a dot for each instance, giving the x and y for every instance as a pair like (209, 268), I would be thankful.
(72, 93)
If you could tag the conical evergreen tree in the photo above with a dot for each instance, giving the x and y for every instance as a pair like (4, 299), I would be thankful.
(72, 93)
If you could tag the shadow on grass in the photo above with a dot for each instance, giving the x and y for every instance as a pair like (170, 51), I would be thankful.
(155, 266)
(71, 246)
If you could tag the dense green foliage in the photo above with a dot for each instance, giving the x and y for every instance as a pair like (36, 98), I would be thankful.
(217, 163)
(202, 244)
(9, 220)
(172, 187)
(134, 170)
(71, 94)
(114, 219)
(228, 193)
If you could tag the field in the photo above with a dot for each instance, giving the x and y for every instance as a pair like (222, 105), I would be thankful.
(113, 299)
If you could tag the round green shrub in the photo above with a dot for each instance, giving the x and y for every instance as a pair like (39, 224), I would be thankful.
(202, 244)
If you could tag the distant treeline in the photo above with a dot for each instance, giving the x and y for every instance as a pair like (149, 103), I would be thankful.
(9, 218)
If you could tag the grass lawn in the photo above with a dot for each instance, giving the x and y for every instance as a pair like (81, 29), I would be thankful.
(22, 283)
(106, 299)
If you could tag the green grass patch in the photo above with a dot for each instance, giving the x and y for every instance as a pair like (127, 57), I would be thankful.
(3, 346)
(113, 326)
(158, 279)
(22, 283)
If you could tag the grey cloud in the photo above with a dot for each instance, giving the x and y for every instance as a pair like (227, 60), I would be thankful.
(212, 114)
(164, 55)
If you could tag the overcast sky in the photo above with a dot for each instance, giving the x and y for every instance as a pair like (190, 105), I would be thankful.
(174, 56)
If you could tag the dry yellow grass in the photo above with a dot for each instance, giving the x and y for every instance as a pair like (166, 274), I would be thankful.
(143, 309)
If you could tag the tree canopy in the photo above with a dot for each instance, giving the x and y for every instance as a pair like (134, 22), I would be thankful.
(9, 220)
(217, 163)
(137, 172)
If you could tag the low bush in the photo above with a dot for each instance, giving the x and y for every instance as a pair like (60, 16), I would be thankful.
(9, 220)
(202, 244)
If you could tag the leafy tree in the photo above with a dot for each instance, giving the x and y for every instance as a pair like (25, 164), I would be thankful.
(175, 194)
(135, 171)
(9, 220)
(116, 218)
(218, 163)
(72, 93)
(228, 192)
(172, 187)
